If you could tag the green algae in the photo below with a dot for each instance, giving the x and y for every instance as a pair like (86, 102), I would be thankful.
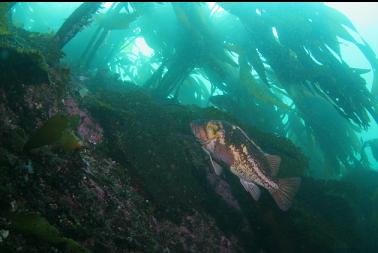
(69, 141)
(53, 131)
(21, 65)
(4, 17)
(49, 133)
(36, 226)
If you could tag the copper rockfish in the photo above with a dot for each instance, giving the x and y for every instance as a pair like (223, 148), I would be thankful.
(230, 145)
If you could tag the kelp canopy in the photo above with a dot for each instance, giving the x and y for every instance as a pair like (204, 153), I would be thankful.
(276, 66)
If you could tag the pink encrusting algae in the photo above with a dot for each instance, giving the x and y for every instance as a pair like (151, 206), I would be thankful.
(88, 130)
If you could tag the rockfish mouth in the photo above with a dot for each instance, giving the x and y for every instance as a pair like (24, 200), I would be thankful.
(199, 131)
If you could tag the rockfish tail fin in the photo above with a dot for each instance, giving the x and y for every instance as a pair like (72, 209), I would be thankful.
(287, 188)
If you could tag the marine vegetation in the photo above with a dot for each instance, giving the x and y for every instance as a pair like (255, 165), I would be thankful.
(105, 121)
(267, 56)
(53, 131)
(77, 20)
(4, 21)
(373, 144)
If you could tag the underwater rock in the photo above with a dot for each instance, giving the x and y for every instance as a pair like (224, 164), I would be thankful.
(149, 148)
(159, 196)
(21, 66)
(63, 202)
(223, 189)
(87, 129)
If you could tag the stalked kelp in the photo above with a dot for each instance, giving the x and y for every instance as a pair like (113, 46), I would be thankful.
(373, 144)
(76, 22)
(337, 139)
(141, 182)
(267, 55)
(289, 54)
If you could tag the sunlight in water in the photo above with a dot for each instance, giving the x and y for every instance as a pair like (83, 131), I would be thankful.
(141, 46)
(363, 14)
(107, 4)
(364, 18)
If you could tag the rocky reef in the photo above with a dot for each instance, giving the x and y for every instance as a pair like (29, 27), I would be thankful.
(121, 172)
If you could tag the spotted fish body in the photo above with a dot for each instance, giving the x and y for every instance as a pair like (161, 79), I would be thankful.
(230, 145)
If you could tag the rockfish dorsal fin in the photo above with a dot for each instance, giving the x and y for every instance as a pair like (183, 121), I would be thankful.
(249, 139)
(252, 188)
(274, 162)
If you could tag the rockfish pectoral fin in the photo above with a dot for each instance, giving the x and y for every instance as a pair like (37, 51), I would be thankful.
(287, 188)
(252, 188)
(274, 162)
(217, 168)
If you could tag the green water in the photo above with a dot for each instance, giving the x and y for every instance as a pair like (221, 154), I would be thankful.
(301, 79)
